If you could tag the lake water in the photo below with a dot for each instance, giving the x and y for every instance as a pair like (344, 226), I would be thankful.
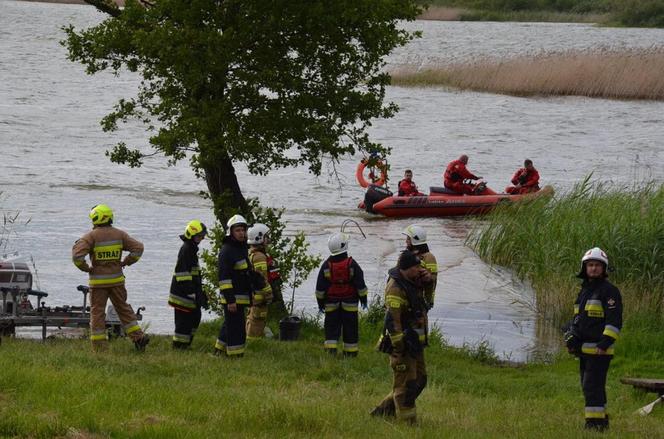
(53, 168)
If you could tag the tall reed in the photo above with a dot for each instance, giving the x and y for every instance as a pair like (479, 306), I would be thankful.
(607, 73)
(543, 240)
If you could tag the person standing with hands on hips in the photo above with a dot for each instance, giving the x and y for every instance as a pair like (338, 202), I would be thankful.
(104, 245)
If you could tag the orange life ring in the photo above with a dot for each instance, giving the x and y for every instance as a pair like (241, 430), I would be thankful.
(359, 174)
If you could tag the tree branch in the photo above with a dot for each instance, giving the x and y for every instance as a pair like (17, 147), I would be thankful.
(107, 6)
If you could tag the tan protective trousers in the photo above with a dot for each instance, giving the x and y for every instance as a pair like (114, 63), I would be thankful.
(256, 321)
(410, 378)
(98, 298)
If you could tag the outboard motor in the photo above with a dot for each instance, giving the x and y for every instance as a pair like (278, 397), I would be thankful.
(373, 195)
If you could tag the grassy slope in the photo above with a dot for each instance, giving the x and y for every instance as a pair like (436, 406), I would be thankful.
(292, 389)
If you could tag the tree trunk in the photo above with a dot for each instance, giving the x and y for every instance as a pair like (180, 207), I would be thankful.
(224, 189)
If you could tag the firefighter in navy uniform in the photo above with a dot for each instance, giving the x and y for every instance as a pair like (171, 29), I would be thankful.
(416, 242)
(339, 287)
(405, 336)
(595, 327)
(187, 296)
(104, 245)
(258, 240)
(235, 285)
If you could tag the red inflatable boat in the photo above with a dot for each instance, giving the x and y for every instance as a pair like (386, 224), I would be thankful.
(439, 202)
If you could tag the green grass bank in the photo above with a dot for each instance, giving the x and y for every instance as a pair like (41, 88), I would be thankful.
(292, 389)
(629, 13)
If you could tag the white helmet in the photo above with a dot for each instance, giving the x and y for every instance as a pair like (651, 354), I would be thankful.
(257, 233)
(594, 254)
(417, 234)
(235, 220)
(338, 243)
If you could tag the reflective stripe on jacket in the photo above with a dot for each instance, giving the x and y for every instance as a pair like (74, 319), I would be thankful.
(598, 315)
(259, 261)
(104, 246)
(405, 309)
(430, 263)
(186, 283)
(234, 273)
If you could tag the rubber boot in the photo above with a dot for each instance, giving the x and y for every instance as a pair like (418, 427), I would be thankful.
(387, 410)
(141, 343)
(178, 345)
(597, 424)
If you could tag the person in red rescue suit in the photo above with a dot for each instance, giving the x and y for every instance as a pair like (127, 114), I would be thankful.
(104, 245)
(258, 240)
(407, 187)
(525, 180)
(235, 284)
(455, 173)
(593, 331)
(416, 242)
(339, 287)
(186, 295)
(404, 337)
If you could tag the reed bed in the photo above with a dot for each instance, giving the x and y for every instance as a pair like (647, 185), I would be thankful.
(604, 73)
(543, 241)
(442, 13)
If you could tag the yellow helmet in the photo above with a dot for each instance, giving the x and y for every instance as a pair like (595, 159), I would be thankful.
(101, 214)
(194, 228)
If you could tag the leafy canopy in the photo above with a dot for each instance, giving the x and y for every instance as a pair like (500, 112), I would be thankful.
(271, 83)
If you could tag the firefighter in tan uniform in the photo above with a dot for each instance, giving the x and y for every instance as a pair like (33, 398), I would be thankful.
(105, 244)
(257, 237)
(404, 337)
(416, 242)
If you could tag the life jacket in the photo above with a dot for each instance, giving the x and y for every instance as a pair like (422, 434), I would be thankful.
(406, 188)
(272, 270)
(340, 280)
(400, 193)
(451, 173)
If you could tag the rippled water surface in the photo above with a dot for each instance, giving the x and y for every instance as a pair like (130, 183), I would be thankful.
(53, 168)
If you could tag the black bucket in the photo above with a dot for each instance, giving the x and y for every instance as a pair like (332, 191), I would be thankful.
(289, 328)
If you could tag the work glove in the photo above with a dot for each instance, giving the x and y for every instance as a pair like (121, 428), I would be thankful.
(321, 310)
(364, 306)
(573, 342)
(396, 361)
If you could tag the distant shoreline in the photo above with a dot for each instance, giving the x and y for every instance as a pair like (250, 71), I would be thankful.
(68, 2)
(445, 13)
(437, 13)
